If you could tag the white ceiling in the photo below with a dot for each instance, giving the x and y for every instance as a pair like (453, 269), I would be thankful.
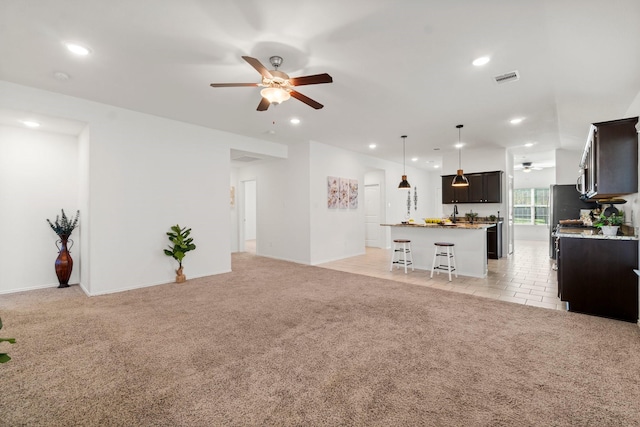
(399, 66)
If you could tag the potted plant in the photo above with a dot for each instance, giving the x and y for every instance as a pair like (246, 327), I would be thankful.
(64, 264)
(4, 357)
(609, 224)
(471, 216)
(181, 244)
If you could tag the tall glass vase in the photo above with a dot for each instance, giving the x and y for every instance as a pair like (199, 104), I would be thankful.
(64, 263)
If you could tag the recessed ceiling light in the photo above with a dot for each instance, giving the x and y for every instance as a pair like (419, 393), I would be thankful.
(483, 60)
(59, 75)
(30, 123)
(516, 120)
(414, 159)
(459, 145)
(436, 166)
(77, 49)
(529, 144)
(372, 146)
(295, 121)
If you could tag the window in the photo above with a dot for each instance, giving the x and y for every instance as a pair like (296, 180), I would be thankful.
(531, 206)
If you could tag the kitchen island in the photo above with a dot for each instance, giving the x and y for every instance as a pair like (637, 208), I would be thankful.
(470, 242)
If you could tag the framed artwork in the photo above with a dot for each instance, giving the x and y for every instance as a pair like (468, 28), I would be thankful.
(332, 192)
(343, 201)
(353, 193)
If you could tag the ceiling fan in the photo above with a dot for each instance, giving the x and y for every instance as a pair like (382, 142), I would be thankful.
(278, 86)
(529, 166)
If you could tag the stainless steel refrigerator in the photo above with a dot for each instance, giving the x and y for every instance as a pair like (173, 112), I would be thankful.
(565, 203)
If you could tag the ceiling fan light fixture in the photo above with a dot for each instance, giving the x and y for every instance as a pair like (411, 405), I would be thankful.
(460, 180)
(275, 95)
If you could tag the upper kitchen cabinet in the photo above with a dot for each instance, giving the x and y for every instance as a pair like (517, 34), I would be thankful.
(485, 187)
(609, 164)
(451, 194)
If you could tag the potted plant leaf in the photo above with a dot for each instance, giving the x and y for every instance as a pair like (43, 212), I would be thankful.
(609, 224)
(4, 357)
(181, 244)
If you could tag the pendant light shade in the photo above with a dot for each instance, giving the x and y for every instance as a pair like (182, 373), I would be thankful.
(460, 180)
(404, 183)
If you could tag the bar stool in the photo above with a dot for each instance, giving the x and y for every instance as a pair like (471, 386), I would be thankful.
(444, 249)
(402, 254)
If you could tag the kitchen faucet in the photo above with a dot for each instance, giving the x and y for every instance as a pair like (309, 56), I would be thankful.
(455, 212)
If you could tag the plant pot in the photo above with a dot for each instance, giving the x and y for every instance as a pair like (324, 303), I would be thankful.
(610, 230)
(64, 263)
(180, 277)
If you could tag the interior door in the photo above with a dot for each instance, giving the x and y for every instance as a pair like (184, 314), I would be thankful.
(372, 216)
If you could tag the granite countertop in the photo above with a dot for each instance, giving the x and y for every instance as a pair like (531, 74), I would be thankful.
(456, 226)
(592, 234)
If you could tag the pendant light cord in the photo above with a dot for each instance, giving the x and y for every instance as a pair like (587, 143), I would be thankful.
(404, 156)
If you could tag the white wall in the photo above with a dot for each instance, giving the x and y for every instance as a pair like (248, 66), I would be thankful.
(249, 210)
(293, 220)
(567, 164)
(135, 176)
(38, 178)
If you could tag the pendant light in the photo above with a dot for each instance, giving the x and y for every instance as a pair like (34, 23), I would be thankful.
(404, 183)
(460, 180)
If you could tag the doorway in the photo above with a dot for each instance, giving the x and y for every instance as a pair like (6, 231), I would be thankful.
(248, 226)
(372, 215)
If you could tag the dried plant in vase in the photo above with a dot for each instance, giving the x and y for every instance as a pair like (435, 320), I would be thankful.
(63, 227)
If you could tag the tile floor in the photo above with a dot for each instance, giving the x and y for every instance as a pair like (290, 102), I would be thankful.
(525, 277)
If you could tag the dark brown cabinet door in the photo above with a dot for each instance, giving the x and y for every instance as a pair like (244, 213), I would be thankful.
(476, 188)
(493, 187)
(596, 276)
(452, 194)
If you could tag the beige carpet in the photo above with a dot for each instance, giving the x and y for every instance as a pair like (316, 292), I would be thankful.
(277, 343)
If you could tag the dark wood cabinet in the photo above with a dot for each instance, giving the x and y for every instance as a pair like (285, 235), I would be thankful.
(595, 276)
(610, 159)
(494, 241)
(493, 187)
(485, 187)
(452, 194)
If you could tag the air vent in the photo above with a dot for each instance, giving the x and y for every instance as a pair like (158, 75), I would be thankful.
(508, 77)
(246, 159)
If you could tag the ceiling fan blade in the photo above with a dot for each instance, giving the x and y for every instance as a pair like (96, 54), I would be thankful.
(310, 102)
(264, 104)
(258, 66)
(233, 84)
(311, 80)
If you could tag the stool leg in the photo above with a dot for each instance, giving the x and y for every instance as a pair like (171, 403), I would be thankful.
(411, 256)
(455, 268)
(448, 263)
(433, 265)
(393, 257)
(404, 257)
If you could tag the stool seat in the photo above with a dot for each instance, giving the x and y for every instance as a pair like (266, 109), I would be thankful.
(444, 249)
(401, 247)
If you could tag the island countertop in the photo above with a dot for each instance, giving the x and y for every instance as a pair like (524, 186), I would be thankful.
(470, 242)
(456, 226)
